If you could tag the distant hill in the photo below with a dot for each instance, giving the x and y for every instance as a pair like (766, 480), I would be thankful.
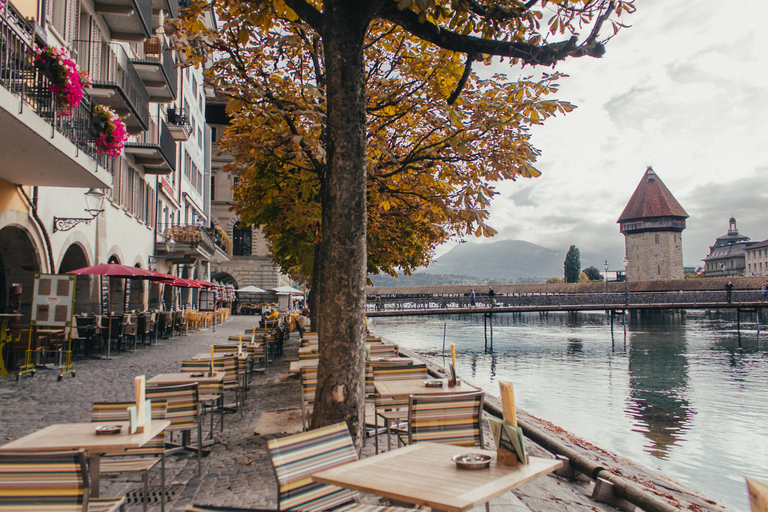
(510, 261)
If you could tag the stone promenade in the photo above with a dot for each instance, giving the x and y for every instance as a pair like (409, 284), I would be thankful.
(237, 471)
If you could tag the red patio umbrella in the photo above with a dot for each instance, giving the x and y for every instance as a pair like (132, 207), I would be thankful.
(124, 271)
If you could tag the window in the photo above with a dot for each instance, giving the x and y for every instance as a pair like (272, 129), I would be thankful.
(59, 16)
(241, 240)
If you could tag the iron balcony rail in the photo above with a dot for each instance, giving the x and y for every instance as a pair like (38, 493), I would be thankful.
(109, 67)
(155, 52)
(189, 233)
(19, 75)
(157, 136)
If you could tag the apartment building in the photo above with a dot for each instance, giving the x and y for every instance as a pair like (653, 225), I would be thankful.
(250, 263)
(64, 204)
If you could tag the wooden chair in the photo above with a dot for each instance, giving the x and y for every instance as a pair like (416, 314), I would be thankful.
(211, 395)
(135, 460)
(55, 481)
(192, 322)
(229, 366)
(451, 418)
(390, 409)
(308, 387)
(295, 458)
(184, 414)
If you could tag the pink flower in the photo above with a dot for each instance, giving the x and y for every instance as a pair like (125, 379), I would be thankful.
(114, 135)
(67, 81)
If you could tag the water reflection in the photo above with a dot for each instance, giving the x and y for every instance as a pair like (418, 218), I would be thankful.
(658, 386)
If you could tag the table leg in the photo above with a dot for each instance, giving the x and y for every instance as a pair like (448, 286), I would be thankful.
(94, 463)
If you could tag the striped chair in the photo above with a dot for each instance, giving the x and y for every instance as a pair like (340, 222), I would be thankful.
(295, 458)
(390, 409)
(451, 418)
(229, 366)
(49, 481)
(184, 415)
(210, 394)
(308, 388)
(142, 459)
(381, 350)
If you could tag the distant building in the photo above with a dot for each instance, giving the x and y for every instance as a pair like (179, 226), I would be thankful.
(727, 256)
(652, 224)
(756, 255)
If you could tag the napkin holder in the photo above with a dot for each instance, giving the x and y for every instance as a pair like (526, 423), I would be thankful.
(453, 380)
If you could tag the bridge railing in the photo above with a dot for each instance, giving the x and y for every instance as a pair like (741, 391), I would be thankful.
(609, 299)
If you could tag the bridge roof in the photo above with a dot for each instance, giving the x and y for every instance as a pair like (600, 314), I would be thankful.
(652, 199)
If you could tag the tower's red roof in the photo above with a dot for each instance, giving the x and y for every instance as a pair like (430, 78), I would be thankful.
(652, 199)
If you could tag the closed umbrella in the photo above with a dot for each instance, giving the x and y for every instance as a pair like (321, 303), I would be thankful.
(250, 289)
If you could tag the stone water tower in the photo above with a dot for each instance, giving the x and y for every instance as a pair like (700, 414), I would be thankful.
(652, 224)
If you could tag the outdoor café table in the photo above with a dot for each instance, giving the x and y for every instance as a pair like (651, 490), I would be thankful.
(170, 379)
(296, 366)
(206, 356)
(74, 436)
(406, 387)
(424, 474)
(311, 349)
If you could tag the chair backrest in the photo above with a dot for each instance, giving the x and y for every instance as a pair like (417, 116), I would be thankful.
(203, 388)
(370, 391)
(39, 481)
(183, 404)
(450, 418)
(308, 384)
(102, 412)
(228, 365)
(381, 350)
(296, 457)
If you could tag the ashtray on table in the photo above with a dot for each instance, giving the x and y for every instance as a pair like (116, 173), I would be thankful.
(200, 374)
(105, 430)
(433, 383)
(472, 460)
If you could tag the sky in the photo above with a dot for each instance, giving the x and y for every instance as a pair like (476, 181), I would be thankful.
(683, 90)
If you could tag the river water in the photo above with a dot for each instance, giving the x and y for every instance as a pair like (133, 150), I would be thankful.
(680, 393)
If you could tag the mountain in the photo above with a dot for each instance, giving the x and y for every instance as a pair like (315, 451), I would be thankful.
(510, 261)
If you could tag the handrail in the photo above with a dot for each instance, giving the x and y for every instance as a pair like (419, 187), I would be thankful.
(152, 51)
(157, 135)
(109, 65)
(19, 75)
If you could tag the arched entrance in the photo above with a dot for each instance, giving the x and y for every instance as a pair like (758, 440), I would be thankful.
(87, 287)
(19, 262)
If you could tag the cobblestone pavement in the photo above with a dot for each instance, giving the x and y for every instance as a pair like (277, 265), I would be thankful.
(236, 472)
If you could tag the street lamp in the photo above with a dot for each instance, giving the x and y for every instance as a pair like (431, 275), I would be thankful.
(94, 202)
(605, 267)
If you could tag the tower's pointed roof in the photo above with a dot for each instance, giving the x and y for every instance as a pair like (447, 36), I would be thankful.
(652, 199)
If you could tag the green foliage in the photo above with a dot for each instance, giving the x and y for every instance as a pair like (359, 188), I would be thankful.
(593, 274)
(572, 265)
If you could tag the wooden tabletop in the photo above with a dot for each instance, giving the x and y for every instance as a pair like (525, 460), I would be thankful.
(206, 356)
(169, 379)
(424, 474)
(394, 359)
(311, 349)
(406, 387)
(69, 436)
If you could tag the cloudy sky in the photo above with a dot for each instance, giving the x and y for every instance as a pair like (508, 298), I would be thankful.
(684, 91)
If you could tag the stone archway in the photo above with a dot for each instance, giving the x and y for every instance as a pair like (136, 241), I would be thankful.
(18, 264)
(86, 289)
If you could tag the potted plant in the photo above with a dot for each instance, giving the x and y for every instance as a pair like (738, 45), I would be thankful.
(67, 81)
(110, 131)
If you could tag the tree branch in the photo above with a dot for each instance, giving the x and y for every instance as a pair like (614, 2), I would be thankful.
(529, 53)
(463, 81)
(308, 14)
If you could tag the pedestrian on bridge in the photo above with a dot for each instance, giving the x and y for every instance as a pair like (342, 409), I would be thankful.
(728, 291)
(765, 291)
(472, 297)
(492, 296)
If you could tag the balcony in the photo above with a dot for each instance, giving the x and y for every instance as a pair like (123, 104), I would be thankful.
(188, 244)
(156, 69)
(37, 145)
(128, 20)
(154, 149)
(116, 83)
(178, 124)
(169, 7)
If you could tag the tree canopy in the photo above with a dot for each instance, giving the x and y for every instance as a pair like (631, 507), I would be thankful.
(368, 97)
(572, 265)
(593, 274)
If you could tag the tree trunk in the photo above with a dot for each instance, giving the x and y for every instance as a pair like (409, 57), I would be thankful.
(340, 388)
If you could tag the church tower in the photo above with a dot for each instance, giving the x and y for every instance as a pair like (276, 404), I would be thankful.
(652, 224)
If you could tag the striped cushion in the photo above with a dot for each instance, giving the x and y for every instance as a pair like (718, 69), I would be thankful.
(41, 482)
(370, 391)
(203, 388)
(450, 419)
(396, 372)
(183, 404)
(295, 458)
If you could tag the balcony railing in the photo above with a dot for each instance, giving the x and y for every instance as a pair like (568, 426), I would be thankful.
(155, 66)
(185, 236)
(116, 83)
(19, 76)
(178, 123)
(155, 149)
(169, 7)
